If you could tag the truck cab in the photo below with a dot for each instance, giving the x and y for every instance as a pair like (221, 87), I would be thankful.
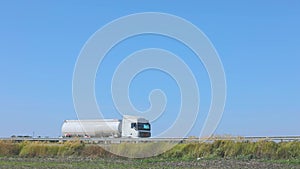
(135, 127)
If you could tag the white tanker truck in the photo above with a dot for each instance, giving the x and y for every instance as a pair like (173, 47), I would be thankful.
(129, 126)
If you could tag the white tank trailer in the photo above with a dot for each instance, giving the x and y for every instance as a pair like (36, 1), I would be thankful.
(129, 126)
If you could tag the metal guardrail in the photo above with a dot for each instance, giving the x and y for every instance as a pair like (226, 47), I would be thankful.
(145, 140)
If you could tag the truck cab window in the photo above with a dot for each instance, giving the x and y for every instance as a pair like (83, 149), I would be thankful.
(144, 126)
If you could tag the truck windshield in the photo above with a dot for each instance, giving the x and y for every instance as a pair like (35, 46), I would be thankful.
(143, 126)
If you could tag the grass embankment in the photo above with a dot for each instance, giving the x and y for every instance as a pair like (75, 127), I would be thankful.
(232, 149)
(218, 149)
(45, 149)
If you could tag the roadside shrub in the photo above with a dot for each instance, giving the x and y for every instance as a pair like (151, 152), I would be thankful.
(38, 149)
(232, 149)
(95, 151)
(265, 149)
(190, 150)
(288, 150)
(175, 152)
(139, 150)
(8, 148)
(70, 148)
(204, 150)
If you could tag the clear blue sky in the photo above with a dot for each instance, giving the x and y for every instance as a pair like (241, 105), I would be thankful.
(258, 43)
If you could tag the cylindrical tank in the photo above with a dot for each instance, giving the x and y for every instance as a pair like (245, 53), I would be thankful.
(92, 128)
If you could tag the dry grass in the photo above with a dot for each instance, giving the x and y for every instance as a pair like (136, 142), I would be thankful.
(220, 149)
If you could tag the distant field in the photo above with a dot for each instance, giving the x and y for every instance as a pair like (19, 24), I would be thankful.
(219, 154)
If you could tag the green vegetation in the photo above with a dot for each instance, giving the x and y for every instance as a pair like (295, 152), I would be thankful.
(237, 149)
(219, 154)
(139, 150)
(285, 151)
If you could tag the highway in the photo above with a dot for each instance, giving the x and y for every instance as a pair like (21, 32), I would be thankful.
(145, 140)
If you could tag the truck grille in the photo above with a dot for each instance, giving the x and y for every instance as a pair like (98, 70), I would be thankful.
(144, 134)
